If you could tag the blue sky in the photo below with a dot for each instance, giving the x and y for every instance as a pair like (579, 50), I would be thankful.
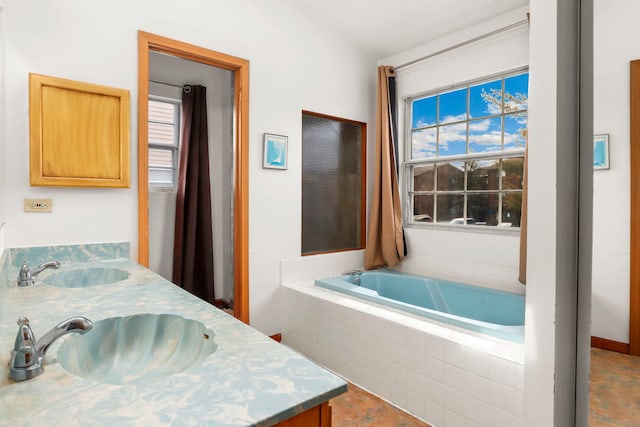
(485, 132)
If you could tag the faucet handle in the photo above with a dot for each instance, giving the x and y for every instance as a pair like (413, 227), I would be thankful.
(25, 335)
(24, 354)
(24, 357)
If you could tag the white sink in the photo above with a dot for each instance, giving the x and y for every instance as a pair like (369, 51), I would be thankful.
(85, 277)
(136, 349)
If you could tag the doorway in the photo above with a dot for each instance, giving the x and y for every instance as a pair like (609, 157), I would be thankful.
(148, 43)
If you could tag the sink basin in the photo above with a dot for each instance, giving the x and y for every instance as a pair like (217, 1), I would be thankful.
(136, 349)
(85, 277)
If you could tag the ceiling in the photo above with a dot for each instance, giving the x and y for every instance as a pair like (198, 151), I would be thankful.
(409, 23)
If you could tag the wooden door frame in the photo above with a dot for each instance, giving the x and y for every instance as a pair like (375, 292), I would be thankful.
(634, 179)
(240, 67)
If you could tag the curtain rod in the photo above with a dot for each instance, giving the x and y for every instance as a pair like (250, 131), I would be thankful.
(464, 43)
(166, 84)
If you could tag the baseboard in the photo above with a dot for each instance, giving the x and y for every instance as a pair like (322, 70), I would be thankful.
(276, 337)
(610, 345)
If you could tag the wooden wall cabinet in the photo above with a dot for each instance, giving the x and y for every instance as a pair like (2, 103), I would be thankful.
(79, 133)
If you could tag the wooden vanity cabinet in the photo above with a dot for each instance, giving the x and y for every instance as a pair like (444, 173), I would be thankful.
(318, 416)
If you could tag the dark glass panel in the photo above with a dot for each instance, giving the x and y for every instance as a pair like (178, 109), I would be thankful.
(331, 184)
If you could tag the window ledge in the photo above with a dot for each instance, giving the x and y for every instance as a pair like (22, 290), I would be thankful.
(479, 229)
(162, 190)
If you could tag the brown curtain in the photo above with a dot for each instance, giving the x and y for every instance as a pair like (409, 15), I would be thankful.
(385, 242)
(522, 273)
(193, 238)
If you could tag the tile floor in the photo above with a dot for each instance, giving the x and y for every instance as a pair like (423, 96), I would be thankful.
(615, 389)
(614, 400)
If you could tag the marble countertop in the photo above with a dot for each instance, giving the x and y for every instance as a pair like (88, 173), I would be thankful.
(250, 380)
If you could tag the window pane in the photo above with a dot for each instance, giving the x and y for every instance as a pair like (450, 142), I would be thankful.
(160, 133)
(332, 211)
(483, 208)
(423, 178)
(423, 143)
(483, 174)
(516, 92)
(161, 177)
(423, 208)
(423, 112)
(160, 157)
(515, 128)
(450, 206)
(452, 140)
(512, 174)
(485, 135)
(162, 111)
(451, 176)
(453, 106)
(511, 209)
(485, 99)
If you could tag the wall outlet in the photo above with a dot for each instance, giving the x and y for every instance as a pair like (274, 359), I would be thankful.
(38, 205)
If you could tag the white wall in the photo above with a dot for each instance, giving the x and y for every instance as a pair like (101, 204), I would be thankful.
(615, 44)
(296, 63)
(489, 259)
(3, 65)
(219, 86)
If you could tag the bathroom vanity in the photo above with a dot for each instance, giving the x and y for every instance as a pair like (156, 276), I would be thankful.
(156, 355)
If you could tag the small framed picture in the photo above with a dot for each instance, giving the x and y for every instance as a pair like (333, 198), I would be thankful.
(601, 151)
(275, 151)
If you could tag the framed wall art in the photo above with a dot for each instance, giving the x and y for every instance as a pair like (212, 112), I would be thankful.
(275, 151)
(601, 151)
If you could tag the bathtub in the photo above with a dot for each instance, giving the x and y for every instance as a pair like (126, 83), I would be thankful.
(496, 313)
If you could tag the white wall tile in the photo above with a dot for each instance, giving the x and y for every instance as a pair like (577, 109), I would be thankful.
(383, 328)
(503, 371)
(478, 362)
(455, 377)
(452, 419)
(520, 377)
(415, 404)
(477, 386)
(434, 346)
(382, 387)
(480, 412)
(433, 413)
(434, 391)
(399, 334)
(425, 365)
(455, 401)
(455, 354)
(415, 339)
(506, 398)
(398, 395)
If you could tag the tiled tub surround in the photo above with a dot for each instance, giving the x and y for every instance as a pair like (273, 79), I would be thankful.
(249, 379)
(444, 375)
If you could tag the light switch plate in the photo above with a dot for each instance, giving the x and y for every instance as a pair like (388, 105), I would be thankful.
(38, 205)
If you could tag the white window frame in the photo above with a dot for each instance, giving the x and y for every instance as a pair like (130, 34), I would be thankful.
(174, 148)
(408, 165)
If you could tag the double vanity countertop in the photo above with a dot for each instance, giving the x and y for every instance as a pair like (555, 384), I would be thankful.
(249, 380)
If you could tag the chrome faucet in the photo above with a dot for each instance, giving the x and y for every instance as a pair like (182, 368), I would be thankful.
(354, 275)
(27, 277)
(27, 356)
